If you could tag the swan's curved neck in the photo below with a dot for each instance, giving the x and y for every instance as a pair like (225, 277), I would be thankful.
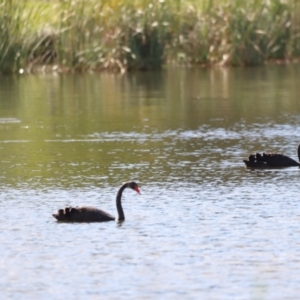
(121, 216)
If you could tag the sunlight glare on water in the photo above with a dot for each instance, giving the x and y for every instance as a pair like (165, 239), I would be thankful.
(204, 226)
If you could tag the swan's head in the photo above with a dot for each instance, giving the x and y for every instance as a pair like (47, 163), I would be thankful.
(134, 186)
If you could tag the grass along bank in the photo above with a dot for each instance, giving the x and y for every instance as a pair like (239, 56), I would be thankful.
(122, 35)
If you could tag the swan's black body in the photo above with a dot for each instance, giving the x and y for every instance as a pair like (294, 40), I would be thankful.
(92, 214)
(271, 160)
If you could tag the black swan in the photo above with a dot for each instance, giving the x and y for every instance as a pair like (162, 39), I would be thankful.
(271, 160)
(92, 214)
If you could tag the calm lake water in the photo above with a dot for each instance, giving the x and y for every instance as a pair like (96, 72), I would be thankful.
(205, 227)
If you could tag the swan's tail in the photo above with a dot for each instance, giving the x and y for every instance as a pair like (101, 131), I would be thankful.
(64, 214)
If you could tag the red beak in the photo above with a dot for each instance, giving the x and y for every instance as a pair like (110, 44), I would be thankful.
(137, 190)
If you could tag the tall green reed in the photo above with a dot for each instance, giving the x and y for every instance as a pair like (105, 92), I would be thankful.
(145, 34)
(235, 33)
(259, 31)
(79, 35)
(121, 36)
(10, 35)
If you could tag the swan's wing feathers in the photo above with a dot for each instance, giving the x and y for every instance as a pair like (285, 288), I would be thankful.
(82, 214)
(93, 213)
(271, 160)
(286, 160)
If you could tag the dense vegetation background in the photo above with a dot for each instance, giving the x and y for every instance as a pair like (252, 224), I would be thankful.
(121, 35)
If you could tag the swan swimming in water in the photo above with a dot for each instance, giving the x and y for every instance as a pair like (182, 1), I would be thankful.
(271, 160)
(92, 214)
